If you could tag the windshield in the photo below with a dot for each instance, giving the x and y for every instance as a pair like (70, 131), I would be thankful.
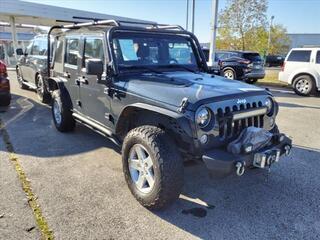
(150, 51)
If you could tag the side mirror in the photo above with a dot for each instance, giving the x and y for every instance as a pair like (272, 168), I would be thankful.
(94, 67)
(19, 51)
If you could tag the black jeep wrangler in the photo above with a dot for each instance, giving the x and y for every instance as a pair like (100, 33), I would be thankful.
(145, 87)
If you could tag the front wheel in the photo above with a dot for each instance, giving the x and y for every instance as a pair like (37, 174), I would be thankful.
(61, 112)
(42, 92)
(20, 79)
(152, 166)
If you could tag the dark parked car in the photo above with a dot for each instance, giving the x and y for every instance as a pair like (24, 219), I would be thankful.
(5, 96)
(146, 88)
(240, 65)
(32, 66)
(274, 60)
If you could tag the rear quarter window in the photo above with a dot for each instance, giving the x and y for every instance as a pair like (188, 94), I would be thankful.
(299, 56)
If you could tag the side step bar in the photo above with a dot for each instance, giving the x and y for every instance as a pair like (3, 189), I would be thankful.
(97, 128)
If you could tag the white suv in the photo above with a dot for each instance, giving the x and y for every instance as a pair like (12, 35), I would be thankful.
(301, 69)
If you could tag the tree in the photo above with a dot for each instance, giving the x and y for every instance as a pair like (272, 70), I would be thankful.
(243, 26)
(239, 18)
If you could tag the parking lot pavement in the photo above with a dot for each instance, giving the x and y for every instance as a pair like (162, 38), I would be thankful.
(78, 180)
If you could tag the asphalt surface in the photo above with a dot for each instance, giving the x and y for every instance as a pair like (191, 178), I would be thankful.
(82, 193)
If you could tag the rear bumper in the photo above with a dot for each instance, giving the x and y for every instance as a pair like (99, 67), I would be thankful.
(222, 163)
(255, 75)
(5, 98)
(283, 77)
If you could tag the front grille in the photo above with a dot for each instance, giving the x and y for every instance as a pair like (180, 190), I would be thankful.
(229, 128)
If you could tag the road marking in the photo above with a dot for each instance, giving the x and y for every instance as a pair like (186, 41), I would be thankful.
(26, 186)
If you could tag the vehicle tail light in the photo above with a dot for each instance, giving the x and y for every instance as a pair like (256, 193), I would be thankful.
(4, 84)
(283, 66)
(3, 70)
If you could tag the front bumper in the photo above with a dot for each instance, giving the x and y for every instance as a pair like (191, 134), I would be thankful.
(222, 163)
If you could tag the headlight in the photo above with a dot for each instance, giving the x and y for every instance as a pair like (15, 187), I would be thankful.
(203, 117)
(270, 106)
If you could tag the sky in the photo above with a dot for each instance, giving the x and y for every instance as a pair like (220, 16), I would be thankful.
(298, 16)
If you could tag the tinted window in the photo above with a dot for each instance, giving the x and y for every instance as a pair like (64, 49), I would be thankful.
(299, 56)
(93, 48)
(206, 54)
(253, 57)
(39, 47)
(72, 51)
(318, 57)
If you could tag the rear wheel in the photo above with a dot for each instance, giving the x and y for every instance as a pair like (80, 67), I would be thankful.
(303, 85)
(42, 92)
(20, 79)
(229, 73)
(152, 166)
(61, 112)
(251, 80)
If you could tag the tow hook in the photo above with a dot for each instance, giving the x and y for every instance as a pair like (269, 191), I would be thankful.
(240, 168)
(287, 150)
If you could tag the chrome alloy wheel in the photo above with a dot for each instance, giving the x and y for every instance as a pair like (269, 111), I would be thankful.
(229, 74)
(57, 112)
(40, 87)
(141, 168)
(303, 86)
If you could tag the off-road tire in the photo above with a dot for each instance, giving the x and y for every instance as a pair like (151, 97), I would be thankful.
(67, 122)
(42, 93)
(20, 79)
(167, 162)
(308, 79)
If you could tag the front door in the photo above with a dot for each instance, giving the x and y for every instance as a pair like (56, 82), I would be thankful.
(95, 102)
(71, 70)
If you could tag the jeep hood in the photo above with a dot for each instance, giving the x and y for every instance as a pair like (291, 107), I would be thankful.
(171, 87)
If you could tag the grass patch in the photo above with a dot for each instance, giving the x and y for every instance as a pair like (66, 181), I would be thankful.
(271, 79)
(26, 186)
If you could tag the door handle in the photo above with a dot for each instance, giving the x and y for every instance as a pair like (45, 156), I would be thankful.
(66, 74)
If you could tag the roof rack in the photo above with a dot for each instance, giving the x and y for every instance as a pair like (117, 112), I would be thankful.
(124, 23)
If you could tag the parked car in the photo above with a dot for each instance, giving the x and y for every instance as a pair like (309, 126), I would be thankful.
(134, 85)
(32, 66)
(240, 65)
(274, 60)
(5, 95)
(301, 69)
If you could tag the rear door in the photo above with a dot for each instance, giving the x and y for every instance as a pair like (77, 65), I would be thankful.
(95, 102)
(71, 69)
(37, 58)
(25, 62)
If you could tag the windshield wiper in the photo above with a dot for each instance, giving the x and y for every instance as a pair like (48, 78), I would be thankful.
(181, 66)
(141, 67)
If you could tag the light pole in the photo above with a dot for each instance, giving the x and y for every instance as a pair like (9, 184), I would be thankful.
(269, 37)
(187, 15)
(214, 26)
(193, 14)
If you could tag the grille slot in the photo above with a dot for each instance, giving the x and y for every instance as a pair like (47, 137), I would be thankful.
(229, 128)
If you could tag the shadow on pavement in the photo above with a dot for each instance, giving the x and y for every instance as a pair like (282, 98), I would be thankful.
(31, 128)
(283, 202)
